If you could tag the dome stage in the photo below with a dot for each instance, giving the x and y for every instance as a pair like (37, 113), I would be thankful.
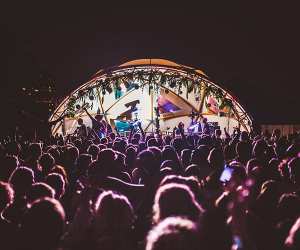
(156, 92)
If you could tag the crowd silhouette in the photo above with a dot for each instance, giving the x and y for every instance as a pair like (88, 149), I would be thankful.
(151, 191)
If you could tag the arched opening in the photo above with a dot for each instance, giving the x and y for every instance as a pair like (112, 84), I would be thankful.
(153, 91)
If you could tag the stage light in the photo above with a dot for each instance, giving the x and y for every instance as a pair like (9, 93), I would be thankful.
(78, 106)
(136, 86)
(91, 97)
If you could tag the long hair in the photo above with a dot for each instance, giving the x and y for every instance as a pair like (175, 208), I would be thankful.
(175, 200)
(113, 213)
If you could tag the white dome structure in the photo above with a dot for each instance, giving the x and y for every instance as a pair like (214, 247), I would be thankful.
(153, 91)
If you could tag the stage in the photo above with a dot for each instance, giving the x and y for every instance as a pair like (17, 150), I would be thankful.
(156, 92)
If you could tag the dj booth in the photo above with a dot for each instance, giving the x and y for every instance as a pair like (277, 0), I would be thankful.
(126, 126)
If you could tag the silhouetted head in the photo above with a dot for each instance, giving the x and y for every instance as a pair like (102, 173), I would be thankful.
(47, 162)
(93, 150)
(130, 154)
(107, 156)
(294, 169)
(185, 157)
(35, 150)
(168, 153)
(293, 239)
(6, 195)
(8, 165)
(244, 136)
(288, 206)
(174, 233)
(192, 170)
(175, 200)
(144, 163)
(83, 162)
(42, 225)
(259, 149)
(60, 170)
(216, 159)
(57, 182)
(39, 190)
(80, 121)
(113, 213)
(72, 154)
(243, 151)
(21, 180)
(218, 133)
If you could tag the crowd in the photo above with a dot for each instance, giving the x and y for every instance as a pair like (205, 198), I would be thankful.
(151, 191)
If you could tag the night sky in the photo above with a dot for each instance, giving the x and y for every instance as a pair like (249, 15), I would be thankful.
(252, 50)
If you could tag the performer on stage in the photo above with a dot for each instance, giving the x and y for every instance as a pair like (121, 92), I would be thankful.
(194, 125)
(81, 130)
(100, 127)
(198, 126)
(205, 126)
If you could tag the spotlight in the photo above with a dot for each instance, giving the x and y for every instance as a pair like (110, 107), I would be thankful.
(78, 106)
(136, 86)
(91, 97)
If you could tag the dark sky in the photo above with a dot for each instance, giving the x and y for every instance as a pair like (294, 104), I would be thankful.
(252, 50)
